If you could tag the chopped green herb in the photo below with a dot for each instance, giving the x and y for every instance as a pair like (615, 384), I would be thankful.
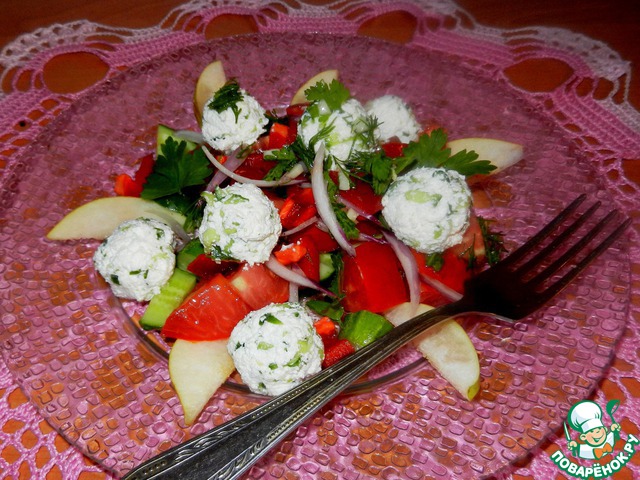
(333, 310)
(333, 94)
(270, 318)
(227, 97)
(493, 242)
(347, 225)
(435, 261)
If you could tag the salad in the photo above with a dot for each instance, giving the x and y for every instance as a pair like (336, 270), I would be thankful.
(275, 243)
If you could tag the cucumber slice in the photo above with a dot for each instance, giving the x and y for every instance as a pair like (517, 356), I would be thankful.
(171, 295)
(165, 132)
(326, 266)
(363, 327)
(188, 254)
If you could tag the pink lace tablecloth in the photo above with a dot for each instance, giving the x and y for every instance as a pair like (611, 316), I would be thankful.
(605, 130)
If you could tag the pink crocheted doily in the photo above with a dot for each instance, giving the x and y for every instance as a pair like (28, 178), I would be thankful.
(61, 347)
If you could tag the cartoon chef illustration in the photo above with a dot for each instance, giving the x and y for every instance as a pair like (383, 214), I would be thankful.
(597, 441)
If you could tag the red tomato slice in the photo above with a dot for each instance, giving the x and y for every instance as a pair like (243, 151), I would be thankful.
(372, 279)
(209, 313)
(362, 196)
(472, 237)
(204, 266)
(393, 149)
(258, 286)
(454, 271)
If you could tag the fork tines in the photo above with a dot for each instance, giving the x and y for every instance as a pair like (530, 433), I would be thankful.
(554, 249)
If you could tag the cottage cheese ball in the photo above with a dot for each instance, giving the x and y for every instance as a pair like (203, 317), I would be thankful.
(224, 132)
(395, 119)
(239, 223)
(428, 208)
(349, 126)
(275, 348)
(137, 259)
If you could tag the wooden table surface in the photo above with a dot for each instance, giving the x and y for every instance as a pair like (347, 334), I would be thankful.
(616, 22)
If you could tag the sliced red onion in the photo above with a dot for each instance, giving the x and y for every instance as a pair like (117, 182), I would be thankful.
(276, 267)
(359, 211)
(285, 180)
(190, 135)
(302, 226)
(446, 291)
(410, 267)
(232, 163)
(370, 238)
(323, 203)
(294, 296)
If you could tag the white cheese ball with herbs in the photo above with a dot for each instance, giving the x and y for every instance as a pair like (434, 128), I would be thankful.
(275, 348)
(224, 132)
(395, 119)
(137, 259)
(350, 129)
(428, 208)
(239, 223)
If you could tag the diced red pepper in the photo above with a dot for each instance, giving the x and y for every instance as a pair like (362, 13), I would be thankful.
(323, 241)
(337, 351)
(126, 186)
(326, 328)
(298, 207)
(393, 149)
(290, 253)
(278, 136)
(309, 262)
(296, 110)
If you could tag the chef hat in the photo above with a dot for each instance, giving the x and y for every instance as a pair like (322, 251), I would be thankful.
(585, 415)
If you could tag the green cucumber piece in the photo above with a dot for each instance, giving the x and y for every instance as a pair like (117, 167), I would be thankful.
(326, 266)
(188, 254)
(165, 132)
(171, 295)
(363, 327)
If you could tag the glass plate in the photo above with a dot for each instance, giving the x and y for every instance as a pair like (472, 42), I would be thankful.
(80, 360)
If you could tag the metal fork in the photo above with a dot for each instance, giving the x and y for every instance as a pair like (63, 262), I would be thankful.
(511, 290)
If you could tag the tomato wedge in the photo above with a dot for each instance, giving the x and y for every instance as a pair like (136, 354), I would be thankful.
(362, 196)
(209, 313)
(258, 286)
(373, 279)
(453, 274)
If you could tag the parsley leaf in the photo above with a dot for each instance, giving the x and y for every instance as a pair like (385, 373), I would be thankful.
(431, 151)
(175, 170)
(226, 97)
(334, 94)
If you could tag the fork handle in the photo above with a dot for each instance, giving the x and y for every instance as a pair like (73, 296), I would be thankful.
(229, 450)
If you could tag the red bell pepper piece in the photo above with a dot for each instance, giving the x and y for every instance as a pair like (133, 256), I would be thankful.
(337, 351)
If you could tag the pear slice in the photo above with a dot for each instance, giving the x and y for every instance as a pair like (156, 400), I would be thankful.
(327, 75)
(197, 369)
(98, 218)
(209, 82)
(500, 153)
(447, 347)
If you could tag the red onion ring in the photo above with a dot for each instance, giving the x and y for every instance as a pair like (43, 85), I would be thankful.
(323, 203)
(410, 267)
(446, 291)
(302, 226)
(285, 180)
(276, 267)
